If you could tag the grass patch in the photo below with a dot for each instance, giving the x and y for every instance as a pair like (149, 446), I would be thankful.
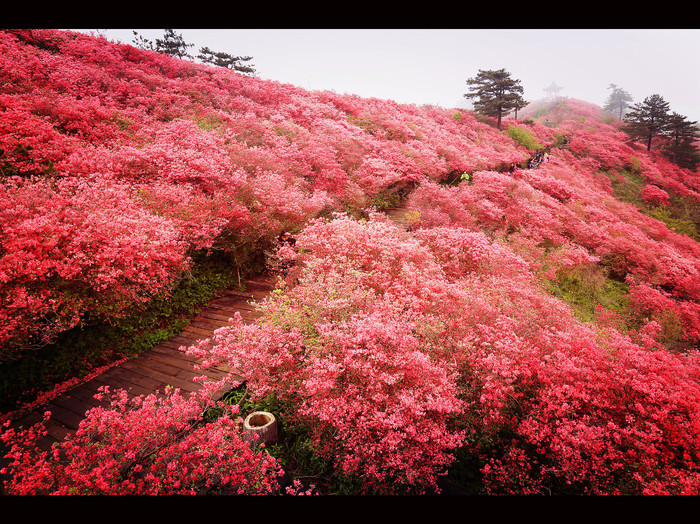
(586, 288)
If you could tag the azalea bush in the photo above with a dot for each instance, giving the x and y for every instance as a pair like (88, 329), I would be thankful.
(555, 222)
(354, 365)
(74, 248)
(524, 404)
(184, 157)
(654, 195)
(145, 445)
(625, 424)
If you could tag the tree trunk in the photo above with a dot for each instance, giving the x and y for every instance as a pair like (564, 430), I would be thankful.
(261, 424)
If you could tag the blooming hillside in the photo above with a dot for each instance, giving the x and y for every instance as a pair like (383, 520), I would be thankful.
(118, 163)
(532, 331)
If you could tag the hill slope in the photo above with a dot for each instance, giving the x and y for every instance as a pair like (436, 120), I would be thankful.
(537, 329)
(117, 163)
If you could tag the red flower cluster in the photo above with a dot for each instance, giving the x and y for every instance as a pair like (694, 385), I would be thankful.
(153, 445)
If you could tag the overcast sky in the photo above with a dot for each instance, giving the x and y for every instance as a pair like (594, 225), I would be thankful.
(431, 66)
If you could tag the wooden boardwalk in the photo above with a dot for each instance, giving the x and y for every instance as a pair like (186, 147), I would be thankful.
(153, 370)
(400, 216)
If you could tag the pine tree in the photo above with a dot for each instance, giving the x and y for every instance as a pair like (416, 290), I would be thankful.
(520, 105)
(220, 59)
(618, 101)
(142, 43)
(647, 119)
(495, 93)
(173, 45)
(682, 138)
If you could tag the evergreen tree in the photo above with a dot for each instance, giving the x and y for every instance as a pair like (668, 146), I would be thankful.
(618, 101)
(220, 59)
(647, 119)
(682, 139)
(520, 105)
(495, 93)
(142, 43)
(171, 44)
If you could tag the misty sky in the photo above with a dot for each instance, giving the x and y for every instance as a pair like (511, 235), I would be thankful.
(431, 66)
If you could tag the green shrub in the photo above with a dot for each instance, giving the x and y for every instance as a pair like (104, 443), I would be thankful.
(523, 137)
(584, 288)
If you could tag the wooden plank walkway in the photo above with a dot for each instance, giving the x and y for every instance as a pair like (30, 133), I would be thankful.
(400, 216)
(153, 370)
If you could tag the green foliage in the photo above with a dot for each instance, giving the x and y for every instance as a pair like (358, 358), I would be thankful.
(559, 140)
(392, 196)
(635, 164)
(208, 122)
(294, 446)
(221, 59)
(495, 93)
(627, 184)
(122, 122)
(647, 119)
(681, 147)
(365, 123)
(679, 225)
(585, 288)
(618, 101)
(523, 137)
(386, 200)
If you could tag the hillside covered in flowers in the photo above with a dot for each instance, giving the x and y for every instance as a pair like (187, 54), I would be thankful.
(531, 330)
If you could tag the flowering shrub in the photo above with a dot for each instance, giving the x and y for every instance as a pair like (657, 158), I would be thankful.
(654, 195)
(216, 159)
(347, 344)
(146, 445)
(525, 359)
(392, 349)
(460, 252)
(78, 247)
(604, 425)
